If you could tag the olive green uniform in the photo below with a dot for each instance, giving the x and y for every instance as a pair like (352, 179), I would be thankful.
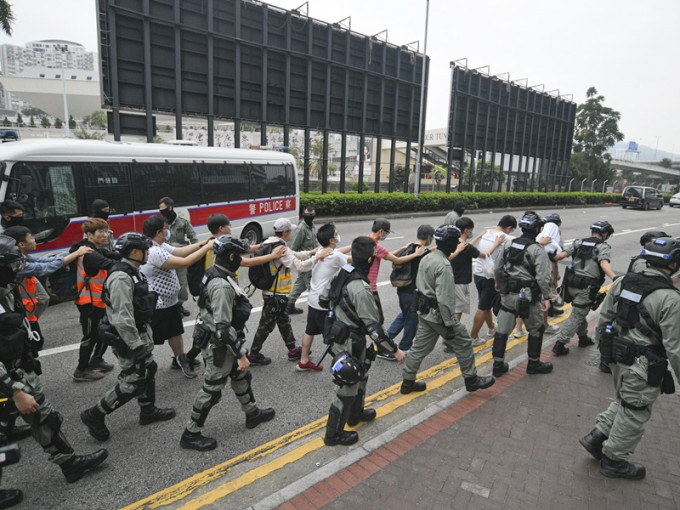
(221, 294)
(535, 288)
(180, 230)
(435, 282)
(582, 299)
(304, 239)
(622, 424)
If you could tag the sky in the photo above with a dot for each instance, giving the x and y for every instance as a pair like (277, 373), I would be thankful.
(627, 50)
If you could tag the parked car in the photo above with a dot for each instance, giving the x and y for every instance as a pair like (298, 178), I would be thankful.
(641, 197)
(8, 135)
(675, 200)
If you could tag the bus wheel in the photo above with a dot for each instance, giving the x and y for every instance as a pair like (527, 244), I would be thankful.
(252, 234)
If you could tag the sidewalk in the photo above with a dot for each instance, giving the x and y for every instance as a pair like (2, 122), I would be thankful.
(512, 446)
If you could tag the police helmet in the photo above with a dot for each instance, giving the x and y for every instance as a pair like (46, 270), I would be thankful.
(602, 227)
(553, 218)
(531, 221)
(10, 255)
(226, 244)
(446, 233)
(651, 235)
(662, 252)
(132, 241)
(347, 369)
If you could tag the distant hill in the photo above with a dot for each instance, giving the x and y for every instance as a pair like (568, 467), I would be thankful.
(645, 153)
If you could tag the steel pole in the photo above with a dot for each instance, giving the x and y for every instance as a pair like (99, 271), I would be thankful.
(416, 187)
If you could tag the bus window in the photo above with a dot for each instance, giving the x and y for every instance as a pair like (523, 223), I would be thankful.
(48, 193)
(110, 182)
(153, 181)
(222, 183)
(275, 182)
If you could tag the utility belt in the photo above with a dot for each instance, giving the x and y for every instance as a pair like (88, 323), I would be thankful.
(424, 304)
(514, 285)
(280, 303)
(523, 307)
(337, 332)
(615, 349)
(18, 367)
(110, 336)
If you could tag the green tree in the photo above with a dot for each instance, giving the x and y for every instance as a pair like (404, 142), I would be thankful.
(71, 122)
(37, 112)
(96, 119)
(31, 122)
(45, 122)
(6, 122)
(6, 17)
(87, 135)
(20, 120)
(665, 163)
(58, 123)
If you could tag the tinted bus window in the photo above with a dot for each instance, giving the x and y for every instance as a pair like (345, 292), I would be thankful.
(270, 181)
(223, 183)
(153, 181)
(110, 182)
(44, 189)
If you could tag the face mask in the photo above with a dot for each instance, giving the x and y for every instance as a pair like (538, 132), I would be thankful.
(104, 215)
(7, 276)
(309, 218)
(167, 234)
(168, 214)
(14, 221)
(472, 234)
(233, 265)
(337, 239)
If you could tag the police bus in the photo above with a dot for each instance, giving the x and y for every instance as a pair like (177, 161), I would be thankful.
(56, 181)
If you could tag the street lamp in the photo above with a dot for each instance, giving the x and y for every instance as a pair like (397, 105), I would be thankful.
(582, 183)
(63, 48)
(570, 181)
(416, 187)
(592, 185)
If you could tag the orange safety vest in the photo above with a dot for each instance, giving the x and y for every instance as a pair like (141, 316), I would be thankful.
(92, 286)
(27, 291)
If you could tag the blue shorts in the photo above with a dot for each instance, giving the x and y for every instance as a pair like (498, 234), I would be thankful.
(486, 288)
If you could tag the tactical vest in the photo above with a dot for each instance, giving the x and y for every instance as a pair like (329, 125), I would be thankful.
(27, 290)
(89, 287)
(15, 342)
(143, 299)
(517, 255)
(630, 310)
(240, 308)
(338, 295)
(587, 252)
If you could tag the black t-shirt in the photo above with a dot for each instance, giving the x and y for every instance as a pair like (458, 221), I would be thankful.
(462, 264)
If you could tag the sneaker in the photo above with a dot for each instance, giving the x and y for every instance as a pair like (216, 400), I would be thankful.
(491, 333)
(185, 366)
(184, 311)
(551, 329)
(476, 341)
(258, 359)
(387, 356)
(520, 333)
(295, 354)
(307, 367)
(101, 365)
(194, 363)
(87, 375)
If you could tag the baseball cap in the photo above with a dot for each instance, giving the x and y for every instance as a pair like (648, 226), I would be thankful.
(382, 223)
(283, 225)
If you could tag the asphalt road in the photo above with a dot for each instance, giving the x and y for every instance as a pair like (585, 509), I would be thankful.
(144, 460)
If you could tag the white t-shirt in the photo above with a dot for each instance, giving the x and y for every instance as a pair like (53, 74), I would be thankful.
(321, 274)
(163, 281)
(485, 244)
(552, 231)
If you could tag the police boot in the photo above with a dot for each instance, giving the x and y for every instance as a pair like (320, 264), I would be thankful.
(593, 442)
(335, 426)
(259, 416)
(407, 386)
(478, 383)
(17, 433)
(585, 341)
(621, 469)
(78, 465)
(559, 349)
(500, 343)
(499, 368)
(197, 441)
(604, 367)
(93, 419)
(535, 366)
(553, 311)
(10, 497)
(151, 414)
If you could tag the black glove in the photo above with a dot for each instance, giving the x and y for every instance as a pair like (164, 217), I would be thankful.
(450, 333)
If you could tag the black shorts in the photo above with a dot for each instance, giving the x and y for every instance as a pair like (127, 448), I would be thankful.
(166, 323)
(486, 289)
(315, 321)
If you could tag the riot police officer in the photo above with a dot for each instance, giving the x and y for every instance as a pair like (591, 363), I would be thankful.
(434, 300)
(523, 277)
(637, 263)
(126, 327)
(354, 311)
(582, 282)
(639, 334)
(19, 381)
(224, 310)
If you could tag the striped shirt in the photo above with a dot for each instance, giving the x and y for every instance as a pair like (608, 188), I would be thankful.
(380, 253)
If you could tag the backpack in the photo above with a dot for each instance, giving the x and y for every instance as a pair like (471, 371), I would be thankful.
(402, 275)
(195, 273)
(64, 281)
(262, 277)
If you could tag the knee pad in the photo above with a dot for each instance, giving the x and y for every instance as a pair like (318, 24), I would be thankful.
(200, 415)
(151, 370)
(249, 390)
(57, 439)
